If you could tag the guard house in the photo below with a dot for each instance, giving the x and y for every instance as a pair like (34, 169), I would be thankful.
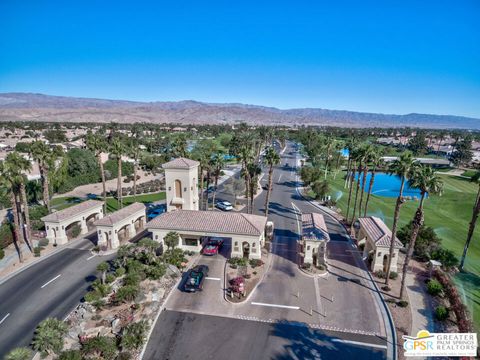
(314, 239)
(246, 232)
(181, 182)
(64, 225)
(119, 227)
(376, 238)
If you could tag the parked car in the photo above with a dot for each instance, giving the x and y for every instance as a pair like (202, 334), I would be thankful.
(195, 278)
(92, 196)
(212, 247)
(153, 212)
(224, 205)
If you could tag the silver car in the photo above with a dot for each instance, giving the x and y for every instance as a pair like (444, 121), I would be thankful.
(224, 205)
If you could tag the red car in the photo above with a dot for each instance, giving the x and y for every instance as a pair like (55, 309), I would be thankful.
(212, 247)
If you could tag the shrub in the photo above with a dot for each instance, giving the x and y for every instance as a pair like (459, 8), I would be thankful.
(386, 288)
(441, 313)
(92, 296)
(321, 267)
(393, 275)
(75, 230)
(255, 262)
(124, 355)
(132, 278)
(127, 293)
(380, 274)
(37, 250)
(239, 261)
(446, 257)
(43, 242)
(96, 249)
(2, 253)
(134, 335)
(49, 336)
(99, 347)
(402, 303)
(120, 271)
(156, 272)
(174, 257)
(306, 266)
(254, 273)
(22, 353)
(110, 278)
(434, 287)
(102, 289)
(70, 355)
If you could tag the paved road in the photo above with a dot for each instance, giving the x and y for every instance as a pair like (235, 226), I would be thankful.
(204, 326)
(39, 292)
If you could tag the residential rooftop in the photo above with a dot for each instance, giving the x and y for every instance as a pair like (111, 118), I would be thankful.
(378, 231)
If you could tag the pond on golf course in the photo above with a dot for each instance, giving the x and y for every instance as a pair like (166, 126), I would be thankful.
(389, 186)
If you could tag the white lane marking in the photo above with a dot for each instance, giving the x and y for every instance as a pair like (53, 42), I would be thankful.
(378, 346)
(48, 282)
(279, 178)
(3, 319)
(297, 211)
(276, 305)
(317, 295)
(212, 278)
(91, 257)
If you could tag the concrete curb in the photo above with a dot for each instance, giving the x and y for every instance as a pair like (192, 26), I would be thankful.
(44, 257)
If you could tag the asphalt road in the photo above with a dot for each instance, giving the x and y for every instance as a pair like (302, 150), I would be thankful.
(298, 311)
(50, 288)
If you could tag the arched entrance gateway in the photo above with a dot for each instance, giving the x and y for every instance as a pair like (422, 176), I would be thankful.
(73, 230)
(90, 220)
(246, 249)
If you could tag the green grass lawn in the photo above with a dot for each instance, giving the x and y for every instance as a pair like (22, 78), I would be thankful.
(448, 214)
(112, 204)
(469, 173)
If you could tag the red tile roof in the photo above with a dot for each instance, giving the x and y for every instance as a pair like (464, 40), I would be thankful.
(314, 228)
(213, 222)
(180, 163)
(378, 231)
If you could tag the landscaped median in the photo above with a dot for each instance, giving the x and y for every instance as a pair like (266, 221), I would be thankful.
(114, 320)
(242, 276)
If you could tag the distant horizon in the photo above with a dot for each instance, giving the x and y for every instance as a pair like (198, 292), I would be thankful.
(234, 103)
(373, 56)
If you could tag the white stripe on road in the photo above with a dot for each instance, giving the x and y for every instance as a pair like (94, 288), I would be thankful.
(212, 278)
(378, 346)
(91, 257)
(297, 211)
(48, 282)
(275, 305)
(279, 178)
(3, 319)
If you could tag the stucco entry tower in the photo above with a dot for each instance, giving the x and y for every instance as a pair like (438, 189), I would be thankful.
(181, 183)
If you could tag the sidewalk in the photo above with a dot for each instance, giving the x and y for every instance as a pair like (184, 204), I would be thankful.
(422, 313)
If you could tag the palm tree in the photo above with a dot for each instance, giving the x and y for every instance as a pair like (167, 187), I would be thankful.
(9, 179)
(271, 158)
(48, 339)
(367, 154)
(22, 353)
(44, 156)
(329, 143)
(353, 155)
(117, 149)
(135, 153)
(253, 172)
(425, 179)
(217, 163)
(97, 145)
(376, 161)
(245, 156)
(473, 221)
(359, 156)
(103, 267)
(400, 167)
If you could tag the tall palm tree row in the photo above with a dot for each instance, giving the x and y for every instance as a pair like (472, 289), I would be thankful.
(217, 163)
(401, 167)
(45, 158)
(367, 154)
(425, 179)
(97, 145)
(135, 153)
(253, 173)
(117, 149)
(271, 159)
(376, 161)
(359, 157)
(473, 221)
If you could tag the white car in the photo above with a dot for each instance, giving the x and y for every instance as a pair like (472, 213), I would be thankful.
(224, 205)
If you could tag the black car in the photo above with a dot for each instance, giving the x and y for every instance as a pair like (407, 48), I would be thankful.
(195, 278)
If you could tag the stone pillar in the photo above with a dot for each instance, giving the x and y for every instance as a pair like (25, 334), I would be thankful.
(131, 230)
(61, 235)
(83, 225)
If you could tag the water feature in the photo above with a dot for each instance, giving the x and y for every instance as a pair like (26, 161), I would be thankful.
(389, 186)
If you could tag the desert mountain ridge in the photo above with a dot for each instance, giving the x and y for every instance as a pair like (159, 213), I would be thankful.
(47, 108)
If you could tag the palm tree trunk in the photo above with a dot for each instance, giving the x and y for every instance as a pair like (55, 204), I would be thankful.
(104, 187)
(351, 179)
(348, 172)
(252, 194)
(370, 187)
(135, 181)
(396, 215)
(44, 179)
(26, 213)
(417, 224)
(364, 180)
(267, 198)
(119, 182)
(202, 179)
(471, 228)
(356, 195)
(214, 190)
(16, 226)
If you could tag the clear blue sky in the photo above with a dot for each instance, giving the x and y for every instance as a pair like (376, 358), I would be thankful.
(400, 57)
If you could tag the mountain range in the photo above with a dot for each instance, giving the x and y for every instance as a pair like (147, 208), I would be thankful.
(48, 108)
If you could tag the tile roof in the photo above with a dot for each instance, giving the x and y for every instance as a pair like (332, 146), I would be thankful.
(180, 163)
(378, 231)
(314, 228)
(210, 222)
(61, 215)
(121, 214)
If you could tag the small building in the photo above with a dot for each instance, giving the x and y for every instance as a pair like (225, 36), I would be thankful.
(314, 239)
(376, 239)
(63, 225)
(119, 227)
(181, 182)
(246, 232)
